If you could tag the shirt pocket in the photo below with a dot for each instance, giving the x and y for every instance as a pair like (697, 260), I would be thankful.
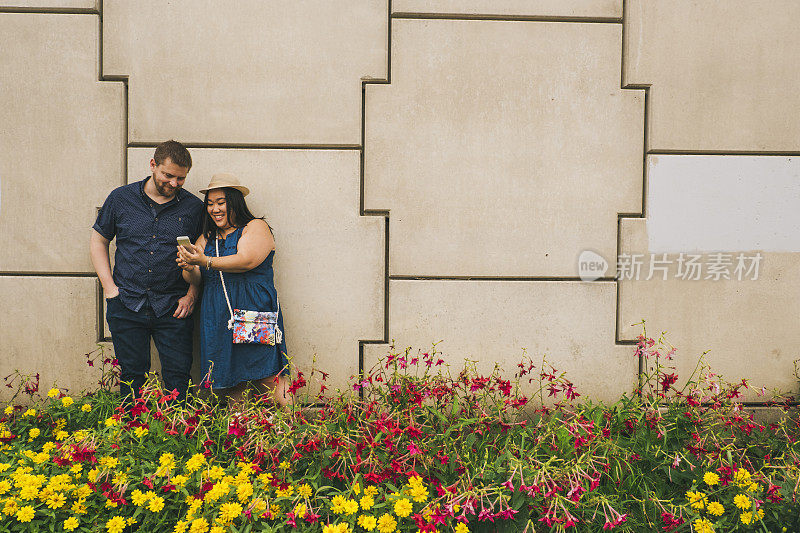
(170, 227)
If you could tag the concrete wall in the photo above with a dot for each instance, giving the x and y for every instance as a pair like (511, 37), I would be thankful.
(433, 169)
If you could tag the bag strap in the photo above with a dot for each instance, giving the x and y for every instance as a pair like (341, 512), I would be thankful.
(225, 290)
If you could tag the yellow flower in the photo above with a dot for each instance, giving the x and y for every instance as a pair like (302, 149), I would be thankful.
(403, 507)
(285, 465)
(387, 523)
(8, 410)
(367, 522)
(10, 507)
(371, 491)
(461, 528)
(217, 529)
(61, 435)
(305, 490)
(217, 491)
(697, 500)
(259, 506)
(71, 523)
(25, 514)
(28, 492)
(40, 458)
(78, 507)
(754, 487)
(86, 407)
(138, 498)
(167, 459)
(48, 447)
(281, 493)
(245, 467)
(140, 432)
(110, 504)
(56, 501)
(356, 488)
(33, 433)
(701, 525)
(742, 478)
(5, 486)
(66, 401)
(195, 462)
(367, 502)
(711, 478)
(419, 493)
(747, 518)
(179, 480)
(53, 393)
(229, 511)
(338, 528)
(115, 525)
(29, 412)
(216, 472)
(119, 478)
(83, 491)
(111, 422)
(350, 506)
(156, 504)
(715, 508)
(741, 501)
(244, 491)
(109, 462)
(265, 478)
(199, 526)
(300, 510)
(337, 504)
(180, 526)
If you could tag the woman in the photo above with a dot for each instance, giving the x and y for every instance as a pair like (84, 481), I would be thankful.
(244, 257)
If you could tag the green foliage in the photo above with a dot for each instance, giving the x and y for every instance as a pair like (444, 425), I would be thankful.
(408, 446)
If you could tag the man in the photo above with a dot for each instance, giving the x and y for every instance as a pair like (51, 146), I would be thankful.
(147, 296)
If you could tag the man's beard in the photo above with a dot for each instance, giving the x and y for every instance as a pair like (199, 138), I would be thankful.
(164, 190)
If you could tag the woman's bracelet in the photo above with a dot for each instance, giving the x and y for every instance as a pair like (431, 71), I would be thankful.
(208, 263)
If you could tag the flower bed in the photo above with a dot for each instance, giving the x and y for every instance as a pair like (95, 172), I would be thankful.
(410, 447)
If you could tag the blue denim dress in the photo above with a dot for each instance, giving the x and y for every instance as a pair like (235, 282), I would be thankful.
(231, 364)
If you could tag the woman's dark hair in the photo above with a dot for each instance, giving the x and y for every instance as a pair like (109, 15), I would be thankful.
(238, 213)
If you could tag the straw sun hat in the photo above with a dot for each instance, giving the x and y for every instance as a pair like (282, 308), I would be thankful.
(223, 179)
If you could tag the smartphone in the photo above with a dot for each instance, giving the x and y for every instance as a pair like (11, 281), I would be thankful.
(185, 242)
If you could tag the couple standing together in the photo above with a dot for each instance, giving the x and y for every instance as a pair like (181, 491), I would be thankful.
(152, 292)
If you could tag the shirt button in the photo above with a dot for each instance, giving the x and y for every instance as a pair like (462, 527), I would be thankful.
(154, 236)
(151, 253)
(156, 219)
(149, 270)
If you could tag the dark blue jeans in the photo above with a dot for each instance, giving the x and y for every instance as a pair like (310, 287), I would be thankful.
(131, 332)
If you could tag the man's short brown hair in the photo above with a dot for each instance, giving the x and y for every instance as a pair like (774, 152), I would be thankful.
(175, 151)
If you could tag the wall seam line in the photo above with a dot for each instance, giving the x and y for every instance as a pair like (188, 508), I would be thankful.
(506, 18)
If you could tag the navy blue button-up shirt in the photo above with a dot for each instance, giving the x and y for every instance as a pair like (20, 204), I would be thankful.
(144, 265)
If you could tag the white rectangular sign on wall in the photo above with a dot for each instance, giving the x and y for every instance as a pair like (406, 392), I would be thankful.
(711, 203)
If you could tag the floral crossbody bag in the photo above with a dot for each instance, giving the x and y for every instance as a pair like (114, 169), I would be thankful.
(252, 327)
